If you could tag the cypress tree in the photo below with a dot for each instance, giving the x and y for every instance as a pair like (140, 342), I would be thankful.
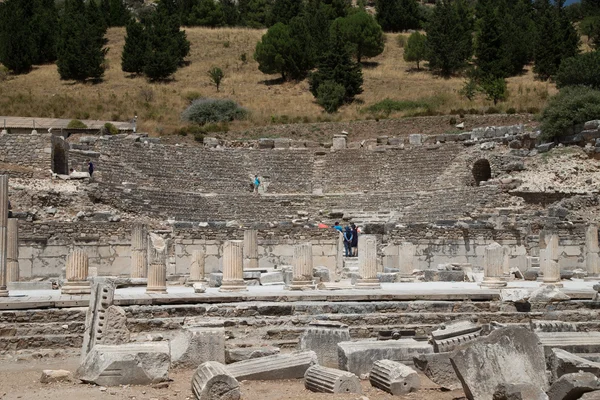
(133, 58)
(80, 52)
(231, 12)
(318, 17)
(491, 56)
(17, 43)
(119, 14)
(337, 66)
(105, 11)
(43, 22)
(253, 13)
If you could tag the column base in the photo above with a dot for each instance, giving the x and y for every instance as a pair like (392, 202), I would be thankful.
(81, 287)
(190, 282)
(556, 284)
(3, 292)
(237, 285)
(405, 278)
(367, 284)
(157, 290)
(493, 283)
(301, 285)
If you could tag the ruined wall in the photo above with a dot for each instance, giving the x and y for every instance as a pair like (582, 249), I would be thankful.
(26, 150)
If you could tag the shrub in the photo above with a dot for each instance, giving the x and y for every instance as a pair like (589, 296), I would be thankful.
(387, 106)
(330, 96)
(401, 41)
(192, 95)
(216, 75)
(571, 106)
(3, 73)
(110, 128)
(533, 110)
(492, 110)
(76, 124)
(452, 121)
(511, 110)
(203, 111)
(198, 137)
(580, 70)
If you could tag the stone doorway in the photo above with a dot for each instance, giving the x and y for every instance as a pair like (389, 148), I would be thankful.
(60, 159)
(482, 171)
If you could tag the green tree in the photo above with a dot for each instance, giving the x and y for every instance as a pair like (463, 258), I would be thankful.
(416, 48)
(216, 75)
(330, 96)
(253, 13)
(318, 17)
(398, 15)
(119, 15)
(337, 66)
(231, 12)
(363, 33)
(282, 51)
(133, 58)
(43, 22)
(571, 106)
(17, 44)
(284, 11)
(80, 47)
(491, 55)
(207, 13)
(449, 36)
(581, 70)
(590, 27)
(494, 89)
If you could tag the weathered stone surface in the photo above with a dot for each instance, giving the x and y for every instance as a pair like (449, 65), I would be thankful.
(128, 364)
(394, 377)
(454, 334)
(562, 362)
(215, 279)
(115, 326)
(438, 368)
(249, 353)
(443, 276)
(508, 355)
(212, 381)
(358, 357)
(514, 295)
(329, 380)
(573, 342)
(573, 386)
(521, 391)
(194, 346)
(595, 395)
(280, 366)
(101, 299)
(323, 340)
(55, 375)
(548, 294)
(321, 273)
(271, 278)
(552, 326)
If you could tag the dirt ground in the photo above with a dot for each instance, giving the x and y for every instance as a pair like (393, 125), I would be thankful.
(21, 380)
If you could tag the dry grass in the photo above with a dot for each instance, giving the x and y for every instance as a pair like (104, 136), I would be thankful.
(159, 105)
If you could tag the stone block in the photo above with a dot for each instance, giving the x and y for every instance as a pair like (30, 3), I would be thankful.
(394, 377)
(438, 368)
(359, 357)
(271, 278)
(521, 391)
(199, 287)
(212, 381)
(282, 143)
(339, 142)
(329, 380)
(451, 335)
(266, 143)
(573, 342)
(512, 355)
(115, 326)
(443, 276)
(573, 386)
(415, 139)
(548, 294)
(562, 362)
(127, 364)
(215, 279)
(595, 395)
(514, 295)
(249, 353)
(194, 346)
(56, 375)
(280, 366)
(323, 340)
(322, 273)
(387, 277)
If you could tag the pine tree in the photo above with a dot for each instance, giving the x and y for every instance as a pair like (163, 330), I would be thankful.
(80, 52)
(119, 14)
(207, 13)
(284, 10)
(449, 36)
(491, 56)
(231, 12)
(43, 21)
(318, 17)
(133, 58)
(17, 44)
(363, 33)
(337, 66)
(398, 15)
(253, 13)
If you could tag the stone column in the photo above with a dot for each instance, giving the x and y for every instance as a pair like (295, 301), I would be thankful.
(406, 256)
(77, 273)
(233, 268)
(197, 267)
(493, 265)
(157, 268)
(549, 262)
(303, 267)
(3, 234)
(592, 256)
(367, 262)
(139, 251)
(250, 249)
(12, 251)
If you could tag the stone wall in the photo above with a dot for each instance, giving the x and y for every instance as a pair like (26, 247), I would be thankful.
(26, 150)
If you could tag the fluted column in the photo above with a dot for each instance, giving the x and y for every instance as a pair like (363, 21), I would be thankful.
(493, 266)
(157, 268)
(3, 234)
(139, 251)
(233, 267)
(592, 256)
(250, 249)
(197, 266)
(406, 257)
(303, 267)
(77, 274)
(549, 262)
(367, 262)
(12, 251)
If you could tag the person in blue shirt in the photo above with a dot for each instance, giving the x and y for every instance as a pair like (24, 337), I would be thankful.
(348, 241)
(256, 183)
(337, 227)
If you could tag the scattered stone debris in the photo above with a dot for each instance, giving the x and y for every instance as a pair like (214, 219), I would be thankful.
(573, 386)
(212, 381)
(394, 377)
(330, 380)
(56, 375)
(276, 367)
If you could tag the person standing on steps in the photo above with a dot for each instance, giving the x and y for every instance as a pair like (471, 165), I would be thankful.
(354, 241)
(337, 227)
(256, 183)
(348, 241)
(90, 168)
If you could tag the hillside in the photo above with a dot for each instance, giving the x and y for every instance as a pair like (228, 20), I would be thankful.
(158, 105)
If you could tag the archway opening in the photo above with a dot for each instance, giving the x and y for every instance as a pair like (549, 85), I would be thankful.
(60, 163)
(482, 171)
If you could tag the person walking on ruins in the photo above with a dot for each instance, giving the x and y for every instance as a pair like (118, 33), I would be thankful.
(337, 227)
(354, 241)
(256, 183)
(90, 168)
(348, 241)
